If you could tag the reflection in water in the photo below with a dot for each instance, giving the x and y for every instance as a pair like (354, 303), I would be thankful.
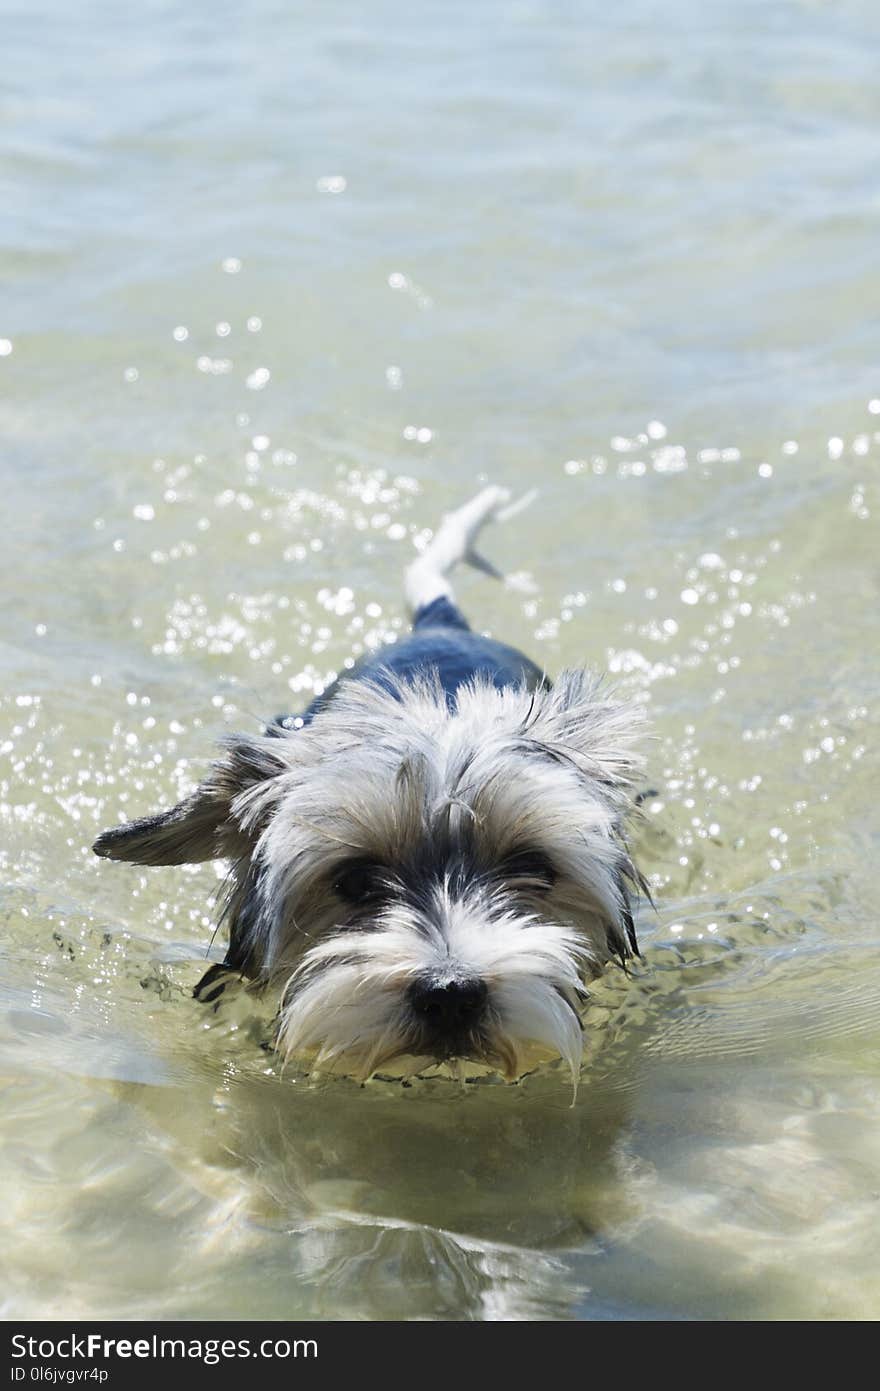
(433, 1205)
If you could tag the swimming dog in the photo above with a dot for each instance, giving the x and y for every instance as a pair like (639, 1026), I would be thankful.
(430, 863)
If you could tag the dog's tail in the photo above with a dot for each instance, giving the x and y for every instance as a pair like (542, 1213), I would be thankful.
(425, 578)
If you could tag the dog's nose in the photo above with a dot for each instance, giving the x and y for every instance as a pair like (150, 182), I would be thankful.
(447, 1007)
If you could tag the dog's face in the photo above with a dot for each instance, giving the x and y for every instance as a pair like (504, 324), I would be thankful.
(425, 884)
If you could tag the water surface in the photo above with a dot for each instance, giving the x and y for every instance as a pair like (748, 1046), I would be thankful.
(280, 284)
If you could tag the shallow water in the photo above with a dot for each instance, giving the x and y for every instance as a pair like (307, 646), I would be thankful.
(281, 284)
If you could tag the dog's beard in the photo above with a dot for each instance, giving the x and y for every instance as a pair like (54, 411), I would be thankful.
(347, 1005)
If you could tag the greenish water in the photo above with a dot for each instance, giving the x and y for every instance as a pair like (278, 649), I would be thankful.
(628, 259)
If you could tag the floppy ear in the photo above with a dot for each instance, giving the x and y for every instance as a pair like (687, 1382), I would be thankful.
(204, 825)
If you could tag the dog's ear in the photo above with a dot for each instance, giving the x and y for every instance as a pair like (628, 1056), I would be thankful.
(582, 722)
(205, 826)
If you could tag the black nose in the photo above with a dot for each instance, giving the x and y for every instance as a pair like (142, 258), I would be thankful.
(448, 1007)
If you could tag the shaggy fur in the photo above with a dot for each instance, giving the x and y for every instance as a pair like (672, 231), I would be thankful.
(423, 873)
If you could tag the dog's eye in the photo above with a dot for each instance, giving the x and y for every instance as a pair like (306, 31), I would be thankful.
(530, 869)
(360, 881)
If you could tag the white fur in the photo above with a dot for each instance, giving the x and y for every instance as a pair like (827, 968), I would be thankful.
(425, 579)
(343, 1003)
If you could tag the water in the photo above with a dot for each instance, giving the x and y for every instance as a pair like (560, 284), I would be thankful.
(629, 257)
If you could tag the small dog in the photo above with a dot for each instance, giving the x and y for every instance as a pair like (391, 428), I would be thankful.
(431, 861)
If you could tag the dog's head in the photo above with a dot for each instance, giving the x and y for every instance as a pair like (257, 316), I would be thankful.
(426, 883)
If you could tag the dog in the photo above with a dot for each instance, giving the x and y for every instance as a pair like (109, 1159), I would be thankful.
(430, 864)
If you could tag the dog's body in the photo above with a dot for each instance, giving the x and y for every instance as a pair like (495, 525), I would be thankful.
(430, 861)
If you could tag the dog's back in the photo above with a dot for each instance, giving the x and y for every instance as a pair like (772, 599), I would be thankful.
(442, 642)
